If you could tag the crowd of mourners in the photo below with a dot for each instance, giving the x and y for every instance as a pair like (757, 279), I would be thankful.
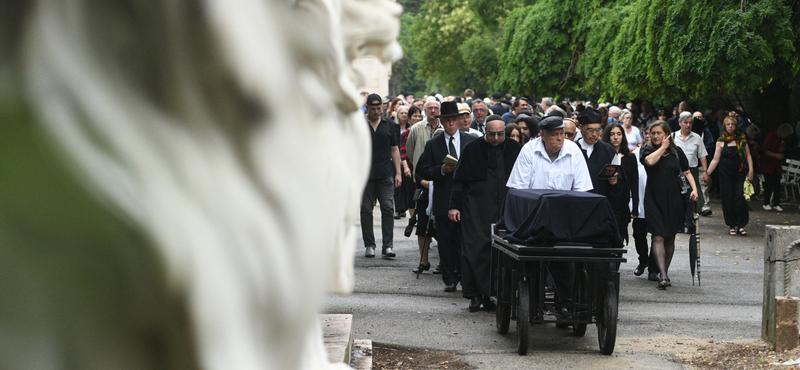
(449, 161)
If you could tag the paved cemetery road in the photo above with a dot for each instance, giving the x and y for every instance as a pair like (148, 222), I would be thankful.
(390, 306)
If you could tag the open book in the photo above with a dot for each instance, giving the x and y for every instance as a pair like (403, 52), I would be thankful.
(610, 169)
(449, 159)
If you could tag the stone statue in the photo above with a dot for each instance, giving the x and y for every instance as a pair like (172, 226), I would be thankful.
(180, 178)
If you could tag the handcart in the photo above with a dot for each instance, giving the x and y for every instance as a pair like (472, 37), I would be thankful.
(519, 271)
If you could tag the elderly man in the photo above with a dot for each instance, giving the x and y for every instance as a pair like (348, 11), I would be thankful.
(692, 145)
(519, 104)
(479, 187)
(479, 113)
(613, 114)
(433, 168)
(421, 132)
(464, 125)
(384, 176)
(546, 103)
(550, 162)
(598, 153)
(708, 140)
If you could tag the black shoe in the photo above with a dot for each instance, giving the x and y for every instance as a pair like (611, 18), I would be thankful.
(422, 268)
(474, 303)
(370, 252)
(653, 276)
(663, 284)
(398, 215)
(488, 305)
(438, 270)
(706, 213)
(639, 269)
(450, 288)
(388, 252)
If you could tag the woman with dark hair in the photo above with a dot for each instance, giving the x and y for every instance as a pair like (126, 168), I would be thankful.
(628, 177)
(663, 199)
(513, 133)
(732, 155)
(402, 124)
(394, 104)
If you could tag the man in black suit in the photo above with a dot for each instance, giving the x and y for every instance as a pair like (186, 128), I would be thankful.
(432, 168)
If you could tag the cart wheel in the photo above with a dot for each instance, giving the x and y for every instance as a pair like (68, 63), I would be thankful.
(581, 297)
(523, 317)
(607, 322)
(503, 312)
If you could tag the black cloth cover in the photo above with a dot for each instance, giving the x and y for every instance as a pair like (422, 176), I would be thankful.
(540, 217)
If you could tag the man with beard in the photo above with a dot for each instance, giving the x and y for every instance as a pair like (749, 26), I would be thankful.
(433, 168)
(479, 188)
(479, 112)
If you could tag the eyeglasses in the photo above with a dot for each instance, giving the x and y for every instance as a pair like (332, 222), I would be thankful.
(432, 108)
(569, 134)
(594, 130)
(479, 110)
(498, 134)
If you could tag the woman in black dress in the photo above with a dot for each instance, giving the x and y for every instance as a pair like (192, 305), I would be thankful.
(733, 158)
(663, 201)
(628, 177)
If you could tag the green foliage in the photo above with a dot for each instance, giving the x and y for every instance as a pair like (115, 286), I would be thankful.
(665, 50)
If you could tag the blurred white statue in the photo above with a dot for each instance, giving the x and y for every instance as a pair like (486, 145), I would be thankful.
(180, 178)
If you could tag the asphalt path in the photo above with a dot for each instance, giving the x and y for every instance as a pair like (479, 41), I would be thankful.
(655, 328)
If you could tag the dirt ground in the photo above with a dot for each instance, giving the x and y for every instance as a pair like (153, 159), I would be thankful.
(393, 357)
(691, 352)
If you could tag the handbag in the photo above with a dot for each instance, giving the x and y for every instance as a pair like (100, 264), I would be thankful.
(685, 187)
(417, 194)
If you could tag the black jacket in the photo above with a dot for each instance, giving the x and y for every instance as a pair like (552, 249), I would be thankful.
(430, 165)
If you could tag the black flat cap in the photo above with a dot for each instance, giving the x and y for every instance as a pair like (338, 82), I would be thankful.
(551, 123)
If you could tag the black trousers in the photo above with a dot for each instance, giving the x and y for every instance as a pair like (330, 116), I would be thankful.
(640, 239)
(448, 234)
(772, 189)
(734, 207)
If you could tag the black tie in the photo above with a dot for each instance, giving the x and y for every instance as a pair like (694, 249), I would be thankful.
(453, 148)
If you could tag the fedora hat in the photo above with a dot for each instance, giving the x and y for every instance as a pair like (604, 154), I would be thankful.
(449, 109)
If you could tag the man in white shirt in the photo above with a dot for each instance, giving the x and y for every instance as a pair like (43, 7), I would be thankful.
(695, 150)
(551, 162)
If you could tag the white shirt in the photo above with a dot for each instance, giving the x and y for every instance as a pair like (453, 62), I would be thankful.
(693, 147)
(456, 142)
(642, 183)
(588, 148)
(533, 169)
(634, 138)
